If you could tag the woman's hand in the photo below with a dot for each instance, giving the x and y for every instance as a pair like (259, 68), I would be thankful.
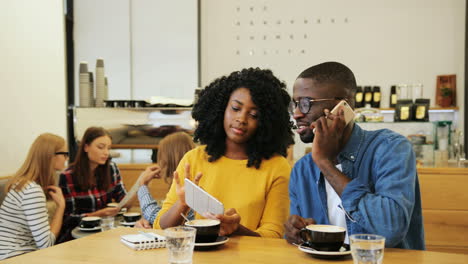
(151, 172)
(108, 211)
(230, 221)
(143, 223)
(180, 189)
(56, 195)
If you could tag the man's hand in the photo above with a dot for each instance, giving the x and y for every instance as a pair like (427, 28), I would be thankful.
(328, 139)
(294, 224)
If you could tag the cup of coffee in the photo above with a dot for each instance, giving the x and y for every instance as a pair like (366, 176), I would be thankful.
(112, 204)
(207, 229)
(90, 222)
(131, 217)
(323, 237)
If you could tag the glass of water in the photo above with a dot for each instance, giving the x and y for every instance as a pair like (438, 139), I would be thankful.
(180, 241)
(107, 222)
(367, 248)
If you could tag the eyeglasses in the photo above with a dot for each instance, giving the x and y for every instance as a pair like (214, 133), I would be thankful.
(64, 153)
(305, 103)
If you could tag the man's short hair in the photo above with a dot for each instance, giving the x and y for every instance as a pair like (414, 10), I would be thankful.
(331, 72)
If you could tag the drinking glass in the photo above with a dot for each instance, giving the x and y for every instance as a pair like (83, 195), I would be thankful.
(180, 241)
(417, 91)
(367, 248)
(402, 91)
(107, 222)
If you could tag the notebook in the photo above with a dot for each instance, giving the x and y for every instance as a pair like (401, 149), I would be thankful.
(144, 240)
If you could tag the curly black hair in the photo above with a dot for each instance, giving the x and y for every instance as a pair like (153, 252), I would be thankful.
(274, 133)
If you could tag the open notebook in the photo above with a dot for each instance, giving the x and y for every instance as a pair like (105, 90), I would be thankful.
(144, 240)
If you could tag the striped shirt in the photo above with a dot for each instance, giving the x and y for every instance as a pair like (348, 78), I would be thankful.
(24, 225)
(149, 206)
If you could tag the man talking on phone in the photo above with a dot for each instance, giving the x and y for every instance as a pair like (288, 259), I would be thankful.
(364, 181)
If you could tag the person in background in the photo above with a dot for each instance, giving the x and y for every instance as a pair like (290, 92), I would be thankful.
(245, 129)
(364, 181)
(24, 224)
(91, 182)
(171, 149)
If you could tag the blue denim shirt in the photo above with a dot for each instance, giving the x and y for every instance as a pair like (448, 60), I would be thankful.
(383, 195)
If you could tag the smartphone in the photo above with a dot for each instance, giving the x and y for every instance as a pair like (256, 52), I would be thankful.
(348, 112)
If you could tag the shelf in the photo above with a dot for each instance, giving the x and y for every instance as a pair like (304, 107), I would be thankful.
(431, 110)
(137, 108)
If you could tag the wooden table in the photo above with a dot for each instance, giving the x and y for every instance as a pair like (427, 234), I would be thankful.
(105, 247)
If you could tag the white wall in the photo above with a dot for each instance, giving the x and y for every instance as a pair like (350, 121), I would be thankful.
(32, 75)
(102, 30)
(383, 42)
(150, 48)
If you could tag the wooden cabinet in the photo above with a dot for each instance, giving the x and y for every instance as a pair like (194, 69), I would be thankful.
(444, 194)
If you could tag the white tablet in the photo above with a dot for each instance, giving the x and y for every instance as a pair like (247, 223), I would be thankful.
(201, 201)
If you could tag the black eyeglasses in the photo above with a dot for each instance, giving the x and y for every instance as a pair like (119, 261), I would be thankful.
(305, 103)
(64, 153)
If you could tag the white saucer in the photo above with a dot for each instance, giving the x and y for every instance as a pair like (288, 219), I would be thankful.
(97, 228)
(325, 254)
(219, 241)
(127, 223)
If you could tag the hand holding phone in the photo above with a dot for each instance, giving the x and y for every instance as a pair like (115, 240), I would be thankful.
(348, 113)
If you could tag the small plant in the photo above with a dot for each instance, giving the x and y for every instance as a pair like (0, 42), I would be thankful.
(445, 92)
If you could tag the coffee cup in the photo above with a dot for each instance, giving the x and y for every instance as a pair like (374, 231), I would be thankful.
(207, 229)
(131, 217)
(90, 222)
(323, 237)
(112, 205)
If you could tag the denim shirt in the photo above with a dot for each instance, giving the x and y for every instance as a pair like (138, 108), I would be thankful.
(382, 197)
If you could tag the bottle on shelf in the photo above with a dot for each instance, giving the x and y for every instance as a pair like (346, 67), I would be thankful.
(359, 98)
(367, 95)
(376, 95)
(393, 96)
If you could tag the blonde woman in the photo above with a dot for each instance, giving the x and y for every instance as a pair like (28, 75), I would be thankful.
(170, 151)
(24, 224)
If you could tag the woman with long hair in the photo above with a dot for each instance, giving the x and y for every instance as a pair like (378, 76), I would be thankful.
(245, 129)
(91, 182)
(171, 149)
(24, 224)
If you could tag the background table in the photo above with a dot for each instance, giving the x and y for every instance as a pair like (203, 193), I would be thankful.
(77, 233)
(105, 247)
